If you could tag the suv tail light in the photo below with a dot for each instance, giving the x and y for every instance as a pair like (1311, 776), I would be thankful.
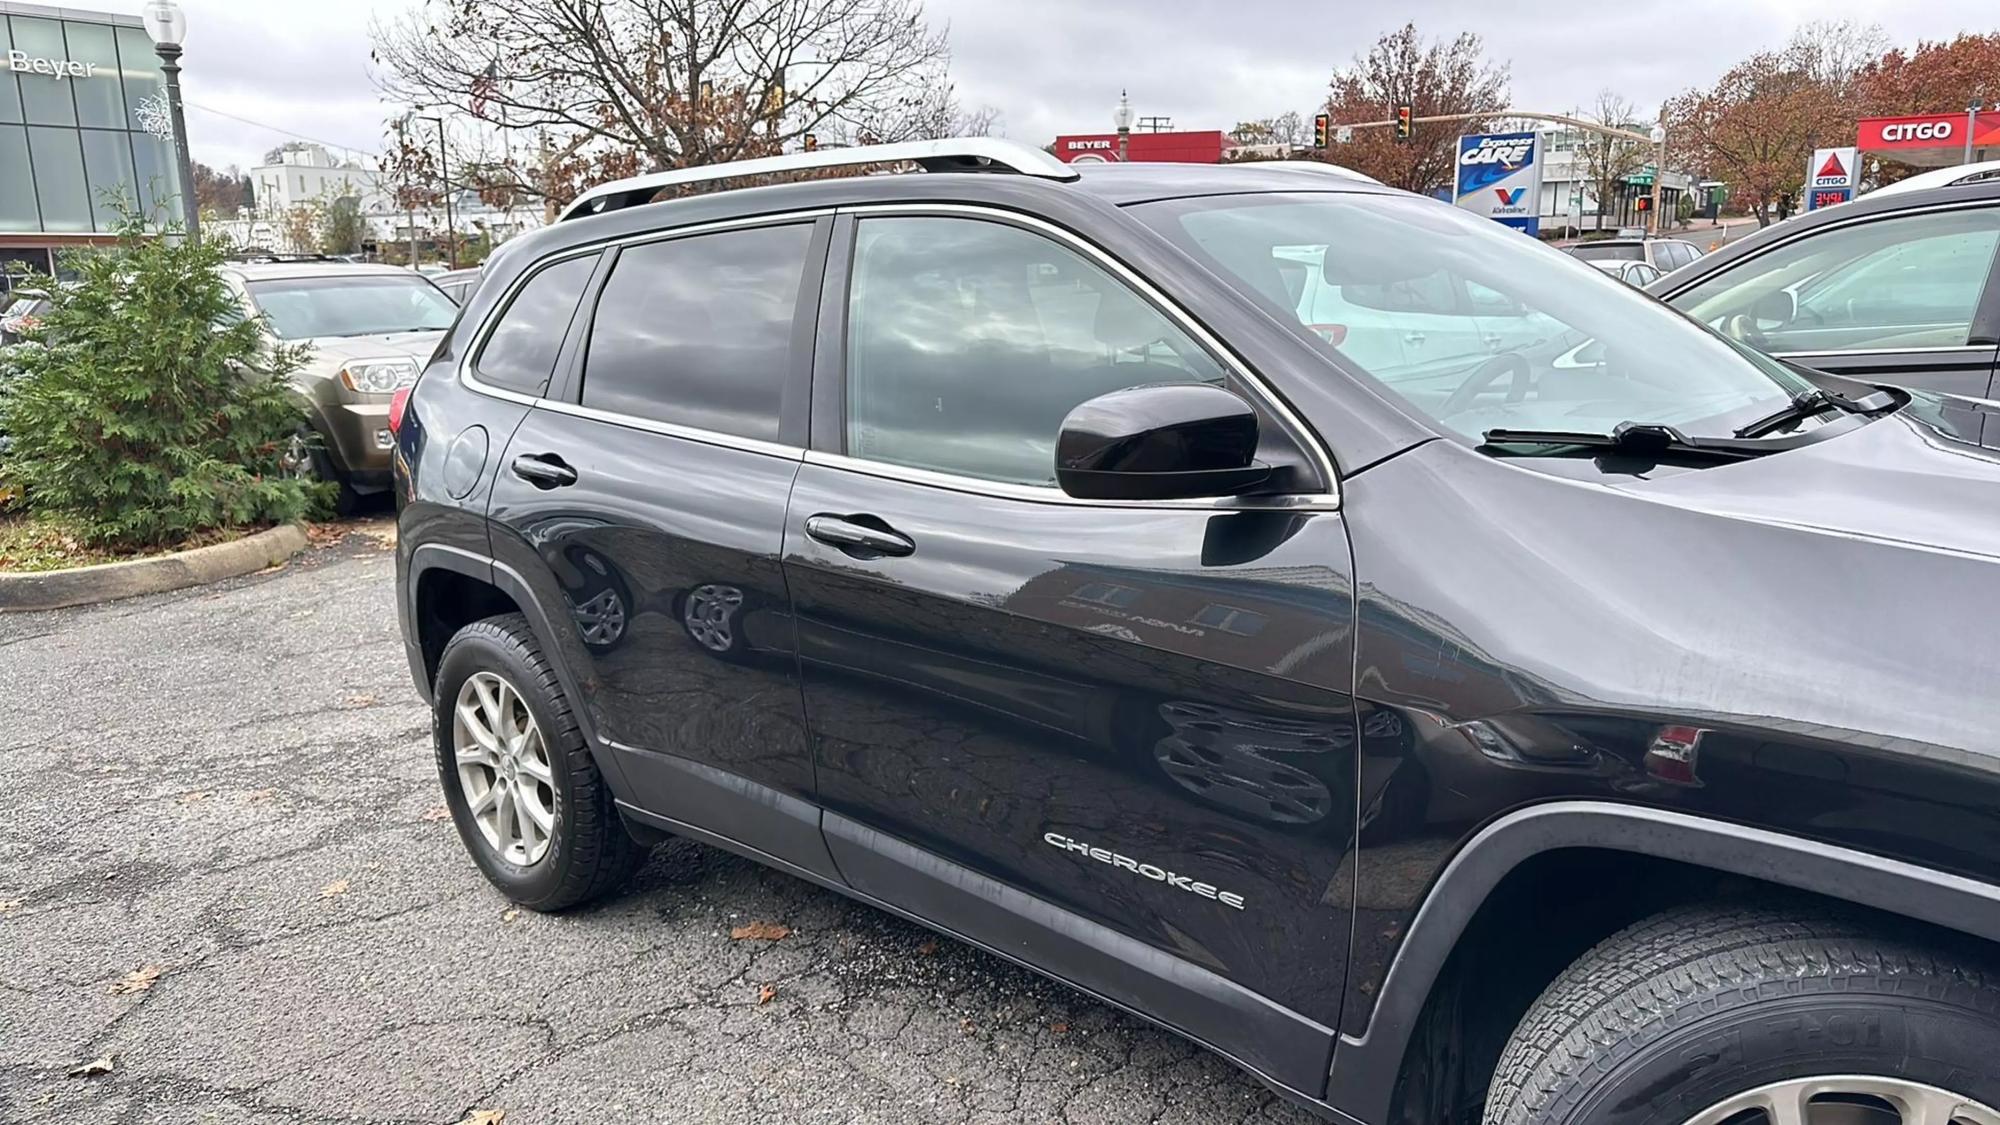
(398, 402)
(1334, 334)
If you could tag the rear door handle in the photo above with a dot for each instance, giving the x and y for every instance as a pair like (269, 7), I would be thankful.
(851, 535)
(1414, 337)
(544, 470)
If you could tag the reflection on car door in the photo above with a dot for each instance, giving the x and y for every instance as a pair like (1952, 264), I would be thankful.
(1132, 725)
(647, 501)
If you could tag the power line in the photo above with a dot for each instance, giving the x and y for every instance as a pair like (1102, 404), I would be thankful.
(286, 132)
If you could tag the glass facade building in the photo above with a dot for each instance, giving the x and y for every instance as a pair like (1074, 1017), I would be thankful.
(72, 146)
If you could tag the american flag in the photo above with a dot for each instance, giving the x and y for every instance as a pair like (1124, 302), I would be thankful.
(483, 87)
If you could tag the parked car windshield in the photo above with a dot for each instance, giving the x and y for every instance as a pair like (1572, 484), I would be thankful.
(1611, 252)
(301, 308)
(1472, 323)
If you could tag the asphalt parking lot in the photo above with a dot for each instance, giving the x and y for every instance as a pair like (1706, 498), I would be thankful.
(224, 876)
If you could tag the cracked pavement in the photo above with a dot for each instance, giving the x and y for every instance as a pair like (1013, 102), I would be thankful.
(192, 776)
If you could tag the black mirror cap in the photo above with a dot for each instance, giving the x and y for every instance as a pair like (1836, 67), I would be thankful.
(1165, 441)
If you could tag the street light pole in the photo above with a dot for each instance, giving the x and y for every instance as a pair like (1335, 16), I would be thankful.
(1659, 174)
(1122, 118)
(444, 173)
(1971, 120)
(168, 26)
(409, 196)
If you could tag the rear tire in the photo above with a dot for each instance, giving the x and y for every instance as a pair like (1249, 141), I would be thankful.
(585, 853)
(1690, 1013)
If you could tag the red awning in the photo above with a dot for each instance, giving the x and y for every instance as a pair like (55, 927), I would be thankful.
(1930, 140)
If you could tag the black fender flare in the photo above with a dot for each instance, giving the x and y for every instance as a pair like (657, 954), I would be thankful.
(440, 556)
(1362, 1081)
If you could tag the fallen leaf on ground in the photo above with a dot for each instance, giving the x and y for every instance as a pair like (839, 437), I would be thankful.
(99, 1065)
(765, 994)
(966, 1027)
(760, 931)
(1058, 1028)
(485, 1117)
(436, 813)
(7, 904)
(321, 534)
(335, 888)
(510, 914)
(194, 795)
(257, 795)
(928, 948)
(137, 981)
(273, 567)
(362, 699)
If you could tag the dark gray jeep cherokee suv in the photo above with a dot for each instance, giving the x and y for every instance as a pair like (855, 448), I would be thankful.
(1387, 651)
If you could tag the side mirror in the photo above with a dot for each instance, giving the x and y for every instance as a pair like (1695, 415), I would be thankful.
(1167, 441)
(1775, 309)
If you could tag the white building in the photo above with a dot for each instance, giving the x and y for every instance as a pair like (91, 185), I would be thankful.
(1569, 196)
(307, 174)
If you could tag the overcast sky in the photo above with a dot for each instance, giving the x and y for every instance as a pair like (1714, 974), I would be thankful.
(1056, 66)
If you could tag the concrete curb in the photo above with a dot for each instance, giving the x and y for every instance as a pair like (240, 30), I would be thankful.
(87, 585)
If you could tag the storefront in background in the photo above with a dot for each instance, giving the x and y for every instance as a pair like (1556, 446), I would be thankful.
(1183, 148)
(76, 89)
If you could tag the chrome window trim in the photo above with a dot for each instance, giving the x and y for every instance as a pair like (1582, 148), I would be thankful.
(1036, 494)
(674, 430)
(485, 327)
(1308, 440)
(1972, 351)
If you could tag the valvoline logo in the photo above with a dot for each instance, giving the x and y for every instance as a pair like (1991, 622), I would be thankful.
(1510, 196)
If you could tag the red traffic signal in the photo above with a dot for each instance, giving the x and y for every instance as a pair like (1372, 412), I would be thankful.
(1405, 121)
(1643, 203)
(1321, 123)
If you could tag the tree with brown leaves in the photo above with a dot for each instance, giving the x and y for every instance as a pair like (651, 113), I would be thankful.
(1935, 77)
(576, 91)
(1435, 78)
(1756, 128)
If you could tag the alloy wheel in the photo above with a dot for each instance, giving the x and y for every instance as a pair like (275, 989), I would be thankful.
(296, 459)
(710, 616)
(1850, 1099)
(503, 769)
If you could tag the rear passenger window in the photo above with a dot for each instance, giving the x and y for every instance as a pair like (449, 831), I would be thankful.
(969, 341)
(520, 354)
(697, 331)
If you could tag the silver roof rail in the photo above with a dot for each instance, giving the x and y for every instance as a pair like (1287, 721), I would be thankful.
(1314, 166)
(961, 154)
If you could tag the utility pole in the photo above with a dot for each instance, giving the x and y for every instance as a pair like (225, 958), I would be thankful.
(1971, 120)
(409, 197)
(444, 174)
(1659, 173)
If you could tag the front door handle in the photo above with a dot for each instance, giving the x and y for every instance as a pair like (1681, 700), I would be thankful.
(1414, 337)
(544, 470)
(863, 540)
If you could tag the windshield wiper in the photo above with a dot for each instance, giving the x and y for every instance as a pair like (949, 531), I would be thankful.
(1639, 439)
(1817, 401)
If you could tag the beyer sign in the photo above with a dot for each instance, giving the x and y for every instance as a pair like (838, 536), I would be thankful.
(25, 63)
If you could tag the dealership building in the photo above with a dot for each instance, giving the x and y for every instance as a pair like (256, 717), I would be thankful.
(77, 90)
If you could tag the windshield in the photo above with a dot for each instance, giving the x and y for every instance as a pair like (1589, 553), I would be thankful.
(1616, 252)
(1470, 322)
(300, 308)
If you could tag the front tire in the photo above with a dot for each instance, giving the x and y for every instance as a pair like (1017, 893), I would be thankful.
(523, 790)
(306, 458)
(1757, 1016)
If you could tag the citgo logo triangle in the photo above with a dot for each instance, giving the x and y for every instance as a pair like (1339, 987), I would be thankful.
(1831, 168)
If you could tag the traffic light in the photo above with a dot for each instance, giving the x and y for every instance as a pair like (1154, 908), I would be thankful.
(1321, 122)
(1405, 120)
(1643, 203)
(812, 143)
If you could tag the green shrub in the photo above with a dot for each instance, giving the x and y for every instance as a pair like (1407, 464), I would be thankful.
(146, 409)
